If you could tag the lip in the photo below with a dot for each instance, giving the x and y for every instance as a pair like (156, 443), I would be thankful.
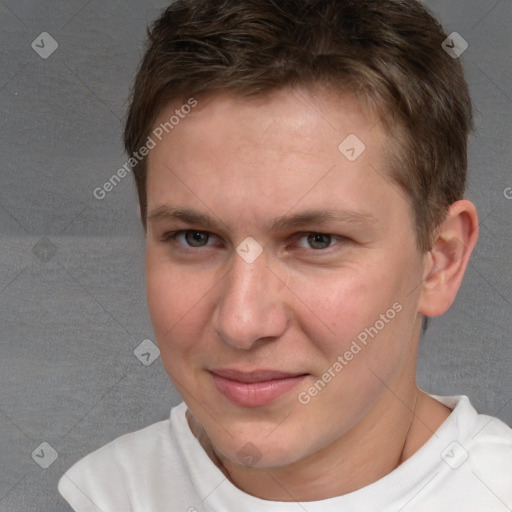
(255, 388)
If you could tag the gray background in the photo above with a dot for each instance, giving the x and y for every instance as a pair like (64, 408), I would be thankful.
(72, 301)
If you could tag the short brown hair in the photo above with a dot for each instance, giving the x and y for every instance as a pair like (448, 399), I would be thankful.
(387, 52)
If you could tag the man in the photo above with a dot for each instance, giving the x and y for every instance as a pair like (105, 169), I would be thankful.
(300, 169)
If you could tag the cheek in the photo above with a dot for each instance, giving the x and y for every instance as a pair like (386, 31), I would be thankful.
(368, 305)
(176, 306)
(367, 341)
(346, 304)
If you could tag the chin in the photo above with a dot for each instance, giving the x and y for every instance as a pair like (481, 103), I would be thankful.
(260, 451)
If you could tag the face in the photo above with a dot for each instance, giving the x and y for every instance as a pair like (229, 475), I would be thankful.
(282, 271)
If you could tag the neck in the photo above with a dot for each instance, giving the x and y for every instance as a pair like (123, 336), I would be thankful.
(392, 431)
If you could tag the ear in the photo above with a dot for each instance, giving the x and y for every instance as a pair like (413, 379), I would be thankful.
(447, 260)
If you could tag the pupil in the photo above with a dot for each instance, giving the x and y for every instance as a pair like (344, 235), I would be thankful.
(319, 241)
(196, 238)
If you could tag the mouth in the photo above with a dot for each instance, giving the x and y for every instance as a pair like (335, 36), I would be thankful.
(255, 388)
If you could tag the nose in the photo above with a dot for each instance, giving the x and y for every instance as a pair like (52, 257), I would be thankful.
(250, 305)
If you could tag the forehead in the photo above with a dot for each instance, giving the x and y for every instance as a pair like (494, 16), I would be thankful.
(295, 148)
(299, 116)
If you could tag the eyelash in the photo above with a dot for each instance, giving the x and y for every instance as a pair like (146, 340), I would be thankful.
(171, 237)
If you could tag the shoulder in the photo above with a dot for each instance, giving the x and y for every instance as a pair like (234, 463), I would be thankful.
(129, 449)
(490, 451)
(477, 429)
(127, 471)
(476, 457)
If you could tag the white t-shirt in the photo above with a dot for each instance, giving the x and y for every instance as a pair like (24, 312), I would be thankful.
(466, 466)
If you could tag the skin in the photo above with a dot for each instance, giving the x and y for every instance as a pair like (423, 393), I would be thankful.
(296, 308)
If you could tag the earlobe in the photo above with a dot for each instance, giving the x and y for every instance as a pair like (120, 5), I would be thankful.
(447, 260)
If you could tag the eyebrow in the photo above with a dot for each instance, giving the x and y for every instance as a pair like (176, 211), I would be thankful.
(305, 218)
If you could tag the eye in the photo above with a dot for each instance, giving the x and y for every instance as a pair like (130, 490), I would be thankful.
(316, 241)
(190, 238)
